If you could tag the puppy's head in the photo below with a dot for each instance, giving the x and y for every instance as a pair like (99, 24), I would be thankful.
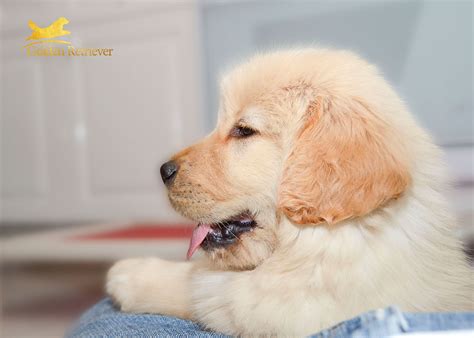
(305, 135)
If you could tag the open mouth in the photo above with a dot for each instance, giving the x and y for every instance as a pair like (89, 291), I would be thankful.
(210, 236)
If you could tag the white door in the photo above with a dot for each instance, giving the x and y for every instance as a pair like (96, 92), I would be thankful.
(82, 137)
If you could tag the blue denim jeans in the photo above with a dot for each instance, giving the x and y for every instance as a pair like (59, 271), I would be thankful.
(103, 320)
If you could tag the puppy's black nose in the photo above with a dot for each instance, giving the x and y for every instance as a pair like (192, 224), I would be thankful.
(168, 172)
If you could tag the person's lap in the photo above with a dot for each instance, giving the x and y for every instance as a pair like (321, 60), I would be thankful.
(104, 320)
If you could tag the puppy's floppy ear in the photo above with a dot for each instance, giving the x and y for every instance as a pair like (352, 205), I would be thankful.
(345, 162)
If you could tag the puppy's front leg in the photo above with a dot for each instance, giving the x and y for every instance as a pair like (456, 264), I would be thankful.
(252, 303)
(151, 285)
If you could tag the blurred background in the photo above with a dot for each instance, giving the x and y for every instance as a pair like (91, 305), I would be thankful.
(82, 138)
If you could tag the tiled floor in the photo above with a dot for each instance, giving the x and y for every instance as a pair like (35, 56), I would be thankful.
(42, 300)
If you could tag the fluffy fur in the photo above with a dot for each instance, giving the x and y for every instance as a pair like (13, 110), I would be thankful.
(348, 194)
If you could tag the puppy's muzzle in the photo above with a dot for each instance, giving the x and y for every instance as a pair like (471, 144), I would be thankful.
(168, 172)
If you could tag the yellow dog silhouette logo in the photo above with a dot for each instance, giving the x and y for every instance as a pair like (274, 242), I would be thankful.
(56, 29)
(44, 40)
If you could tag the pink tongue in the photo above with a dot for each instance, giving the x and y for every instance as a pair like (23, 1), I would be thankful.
(199, 233)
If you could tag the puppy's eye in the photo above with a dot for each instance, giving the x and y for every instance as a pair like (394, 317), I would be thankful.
(242, 132)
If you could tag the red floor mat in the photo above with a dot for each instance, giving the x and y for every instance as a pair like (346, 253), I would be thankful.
(143, 232)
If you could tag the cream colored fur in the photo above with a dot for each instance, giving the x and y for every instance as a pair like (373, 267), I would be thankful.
(295, 279)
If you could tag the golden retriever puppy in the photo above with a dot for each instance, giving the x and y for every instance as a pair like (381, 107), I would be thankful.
(317, 197)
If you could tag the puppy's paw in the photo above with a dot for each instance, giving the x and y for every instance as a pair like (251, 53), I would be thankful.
(124, 281)
(150, 285)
